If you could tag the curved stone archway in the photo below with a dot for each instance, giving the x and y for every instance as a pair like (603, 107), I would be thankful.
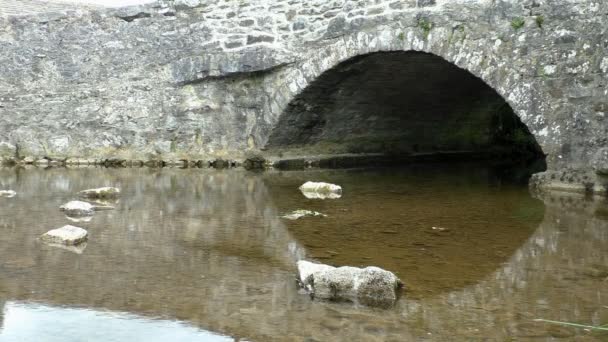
(439, 45)
(398, 104)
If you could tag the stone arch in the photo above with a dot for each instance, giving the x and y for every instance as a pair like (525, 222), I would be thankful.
(478, 57)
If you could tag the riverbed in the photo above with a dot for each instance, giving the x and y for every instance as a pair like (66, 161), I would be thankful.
(203, 254)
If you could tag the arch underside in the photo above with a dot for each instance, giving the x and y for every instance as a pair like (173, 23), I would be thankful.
(401, 103)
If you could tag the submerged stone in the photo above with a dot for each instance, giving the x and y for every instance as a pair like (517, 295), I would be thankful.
(321, 190)
(77, 208)
(297, 214)
(66, 235)
(370, 286)
(7, 193)
(106, 192)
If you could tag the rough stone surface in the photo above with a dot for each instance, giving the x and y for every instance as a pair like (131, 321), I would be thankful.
(600, 162)
(7, 193)
(298, 214)
(66, 235)
(321, 190)
(77, 208)
(105, 192)
(370, 285)
(194, 80)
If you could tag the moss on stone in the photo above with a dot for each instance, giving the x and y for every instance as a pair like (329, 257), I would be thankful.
(540, 20)
(426, 25)
(518, 23)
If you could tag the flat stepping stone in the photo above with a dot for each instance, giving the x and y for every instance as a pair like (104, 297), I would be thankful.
(78, 208)
(66, 235)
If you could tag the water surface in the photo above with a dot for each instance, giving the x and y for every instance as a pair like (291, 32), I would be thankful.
(204, 254)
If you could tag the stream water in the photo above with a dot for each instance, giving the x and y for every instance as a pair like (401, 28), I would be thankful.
(204, 255)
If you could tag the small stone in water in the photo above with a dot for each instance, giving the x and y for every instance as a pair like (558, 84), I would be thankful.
(7, 193)
(297, 214)
(66, 235)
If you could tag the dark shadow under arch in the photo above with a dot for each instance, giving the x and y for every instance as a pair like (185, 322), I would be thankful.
(402, 103)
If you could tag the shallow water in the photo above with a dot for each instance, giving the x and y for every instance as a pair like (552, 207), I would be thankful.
(204, 255)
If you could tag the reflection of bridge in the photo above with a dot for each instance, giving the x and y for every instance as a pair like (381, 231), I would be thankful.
(176, 247)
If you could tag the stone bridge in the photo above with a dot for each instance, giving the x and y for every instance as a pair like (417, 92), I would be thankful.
(192, 79)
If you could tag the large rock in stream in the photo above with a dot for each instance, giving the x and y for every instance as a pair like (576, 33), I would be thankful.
(370, 286)
(321, 190)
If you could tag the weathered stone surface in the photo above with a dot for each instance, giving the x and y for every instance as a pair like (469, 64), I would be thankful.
(298, 214)
(7, 193)
(600, 162)
(77, 208)
(321, 190)
(105, 192)
(7, 150)
(370, 285)
(66, 235)
(198, 91)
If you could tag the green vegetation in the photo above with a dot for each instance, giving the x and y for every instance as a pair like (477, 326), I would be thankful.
(401, 36)
(426, 26)
(518, 23)
(540, 20)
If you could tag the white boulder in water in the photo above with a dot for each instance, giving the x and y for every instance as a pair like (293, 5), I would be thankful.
(321, 190)
(370, 286)
(298, 214)
(66, 235)
(7, 193)
(106, 192)
(78, 208)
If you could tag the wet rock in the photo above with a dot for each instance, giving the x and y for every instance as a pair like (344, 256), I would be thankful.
(106, 192)
(320, 190)
(29, 160)
(298, 214)
(77, 208)
(254, 163)
(66, 235)
(370, 286)
(42, 162)
(7, 193)
(220, 164)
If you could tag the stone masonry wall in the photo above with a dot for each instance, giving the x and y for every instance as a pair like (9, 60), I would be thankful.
(204, 79)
